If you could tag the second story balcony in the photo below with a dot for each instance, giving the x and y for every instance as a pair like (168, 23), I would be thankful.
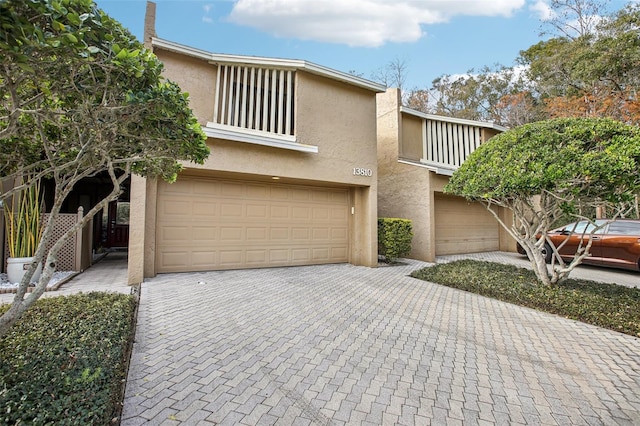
(445, 142)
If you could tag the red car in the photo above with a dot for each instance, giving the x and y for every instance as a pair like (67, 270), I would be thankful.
(616, 244)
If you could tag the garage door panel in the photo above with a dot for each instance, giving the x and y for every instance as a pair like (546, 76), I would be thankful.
(463, 227)
(175, 259)
(257, 234)
(257, 210)
(231, 210)
(279, 212)
(339, 197)
(232, 189)
(203, 209)
(176, 207)
(321, 254)
(321, 234)
(321, 213)
(257, 192)
(279, 256)
(257, 257)
(231, 258)
(300, 195)
(203, 233)
(216, 224)
(279, 234)
(174, 233)
(301, 255)
(300, 234)
(197, 187)
(303, 213)
(338, 252)
(203, 257)
(231, 234)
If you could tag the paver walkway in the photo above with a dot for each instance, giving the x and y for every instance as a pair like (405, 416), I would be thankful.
(108, 274)
(340, 344)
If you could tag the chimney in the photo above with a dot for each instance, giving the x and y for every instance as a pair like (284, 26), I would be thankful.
(149, 24)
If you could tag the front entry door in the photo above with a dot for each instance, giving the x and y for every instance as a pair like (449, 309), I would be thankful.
(118, 224)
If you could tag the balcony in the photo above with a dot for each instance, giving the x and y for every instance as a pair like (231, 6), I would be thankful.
(448, 142)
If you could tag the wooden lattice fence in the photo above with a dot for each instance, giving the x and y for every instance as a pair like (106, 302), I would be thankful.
(75, 255)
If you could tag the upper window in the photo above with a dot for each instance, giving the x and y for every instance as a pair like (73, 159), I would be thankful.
(254, 98)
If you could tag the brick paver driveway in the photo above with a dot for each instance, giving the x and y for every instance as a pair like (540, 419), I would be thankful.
(340, 344)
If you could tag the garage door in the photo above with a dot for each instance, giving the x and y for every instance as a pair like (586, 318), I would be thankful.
(205, 224)
(463, 227)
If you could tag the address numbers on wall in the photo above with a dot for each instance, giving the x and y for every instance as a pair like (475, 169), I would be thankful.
(358, 171)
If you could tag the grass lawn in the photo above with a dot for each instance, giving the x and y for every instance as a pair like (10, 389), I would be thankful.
(605, 305)
(65, 360)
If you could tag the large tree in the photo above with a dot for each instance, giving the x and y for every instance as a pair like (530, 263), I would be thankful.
(80, 96)
(587, 68)
(498, 94)
(553, 169)
(593, 75)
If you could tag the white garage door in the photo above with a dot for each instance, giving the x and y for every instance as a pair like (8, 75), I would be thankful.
(464, 227)
(206, 224)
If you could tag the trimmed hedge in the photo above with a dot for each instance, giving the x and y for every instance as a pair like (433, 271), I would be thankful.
(64, 362)
(609, 306)
(394, 238)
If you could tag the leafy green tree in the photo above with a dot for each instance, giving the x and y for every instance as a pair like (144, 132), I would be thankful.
(497, 94)
(546, 170)
(79, 96)
(595, 74)
(588, 68)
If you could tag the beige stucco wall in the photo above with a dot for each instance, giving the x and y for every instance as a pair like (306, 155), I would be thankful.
(338, 118)
(411, 142)
(404, 191)
(196, 77)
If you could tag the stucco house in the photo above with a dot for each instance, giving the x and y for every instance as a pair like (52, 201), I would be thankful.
(292, 175)
(417, 153)
(304, 159)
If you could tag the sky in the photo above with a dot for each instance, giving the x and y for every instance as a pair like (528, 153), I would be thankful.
(430, 37)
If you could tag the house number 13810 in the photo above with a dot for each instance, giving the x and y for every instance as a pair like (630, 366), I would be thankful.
(357, 171)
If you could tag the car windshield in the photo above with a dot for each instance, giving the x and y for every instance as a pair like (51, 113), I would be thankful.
(584, 227)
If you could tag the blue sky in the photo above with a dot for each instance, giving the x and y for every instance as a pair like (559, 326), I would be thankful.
(432, 37)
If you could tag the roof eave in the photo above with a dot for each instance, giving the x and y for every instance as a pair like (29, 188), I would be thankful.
(294, 64)
(421, 114)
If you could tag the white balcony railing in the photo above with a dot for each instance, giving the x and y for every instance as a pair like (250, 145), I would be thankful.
(446, 145)
(256, 99)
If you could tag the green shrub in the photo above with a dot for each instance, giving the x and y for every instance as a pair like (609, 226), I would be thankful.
(394, 238)
(606, 305)
(64, 362)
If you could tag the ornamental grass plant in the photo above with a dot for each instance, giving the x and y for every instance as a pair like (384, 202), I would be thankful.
(609, 306)
(22, 219)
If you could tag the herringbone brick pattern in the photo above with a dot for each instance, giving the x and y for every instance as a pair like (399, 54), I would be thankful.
(339, 344)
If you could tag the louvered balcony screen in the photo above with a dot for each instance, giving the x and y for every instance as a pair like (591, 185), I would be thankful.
(260, 99)
(450, 143)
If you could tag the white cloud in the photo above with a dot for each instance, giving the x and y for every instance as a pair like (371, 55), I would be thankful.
(543, 10)
(367, 23)
(206, 18)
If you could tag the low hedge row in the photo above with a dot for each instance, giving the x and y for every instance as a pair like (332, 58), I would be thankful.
(606, 305)
(394, 238)
(64, 362)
